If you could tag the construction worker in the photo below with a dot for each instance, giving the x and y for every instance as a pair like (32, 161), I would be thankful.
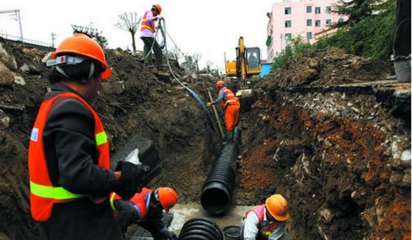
(231, 104)
(147, 34)
(70, 179)
(146, 209)
(267, 221)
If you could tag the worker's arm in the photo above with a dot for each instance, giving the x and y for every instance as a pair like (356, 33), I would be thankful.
(73, 156)
(250, 230)
(219, 98)
(127, 213)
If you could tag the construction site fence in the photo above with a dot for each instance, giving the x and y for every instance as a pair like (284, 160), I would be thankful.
(27, 42)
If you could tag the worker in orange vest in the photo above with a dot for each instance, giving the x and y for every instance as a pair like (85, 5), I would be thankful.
(70, 179)
(147, 34)
(231, 105)
(146, 209)
(267, 221)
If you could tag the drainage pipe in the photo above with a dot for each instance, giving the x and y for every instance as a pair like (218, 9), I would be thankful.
(201, 228)
(218, 188)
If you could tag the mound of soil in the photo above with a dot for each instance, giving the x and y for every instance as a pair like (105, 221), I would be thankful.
(326, 68)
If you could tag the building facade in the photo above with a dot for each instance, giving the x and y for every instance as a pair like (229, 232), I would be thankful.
(292, 18)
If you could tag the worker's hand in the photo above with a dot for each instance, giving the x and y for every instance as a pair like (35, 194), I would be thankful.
(131, 180)
(208, 104)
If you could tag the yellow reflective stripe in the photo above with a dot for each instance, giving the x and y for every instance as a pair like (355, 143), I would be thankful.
(112, 202)
(58, 193)
(230, 101)
(230, 94)
(145, 26)
(101, 138)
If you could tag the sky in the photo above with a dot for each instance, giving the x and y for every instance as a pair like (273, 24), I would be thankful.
(208, 27)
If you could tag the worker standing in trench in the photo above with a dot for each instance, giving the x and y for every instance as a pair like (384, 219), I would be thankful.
(146, 209)
(147, 30)
(70, 179)
(267, 221)
(231, 105)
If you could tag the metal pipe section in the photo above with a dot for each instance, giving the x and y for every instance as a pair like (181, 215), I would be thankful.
(201, 228)
(218, 188)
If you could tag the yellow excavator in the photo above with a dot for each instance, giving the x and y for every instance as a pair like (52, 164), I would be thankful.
(246, 65)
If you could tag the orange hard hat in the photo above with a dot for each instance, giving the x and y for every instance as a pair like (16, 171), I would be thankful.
(219, 84)
(83, 45)
(278, 207)
(158, 7)
(167, 197)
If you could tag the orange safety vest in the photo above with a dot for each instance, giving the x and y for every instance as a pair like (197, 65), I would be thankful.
(229, 97)
(43, 194)
(145, 23)
(265, 231)
(139, 201)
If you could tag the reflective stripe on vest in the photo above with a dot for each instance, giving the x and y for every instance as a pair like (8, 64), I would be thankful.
(43, 194)
(58, 193)
(230, 97)
(145, 24)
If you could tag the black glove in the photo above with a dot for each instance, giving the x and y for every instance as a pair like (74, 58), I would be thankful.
(131, 180)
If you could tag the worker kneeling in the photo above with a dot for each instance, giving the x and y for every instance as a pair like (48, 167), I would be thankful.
(267, 221)
(146, 209)
(231, 104)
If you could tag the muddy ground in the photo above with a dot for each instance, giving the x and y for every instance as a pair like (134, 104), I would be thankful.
(338, 157)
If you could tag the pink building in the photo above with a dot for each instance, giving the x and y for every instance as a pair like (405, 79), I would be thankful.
(291, 18)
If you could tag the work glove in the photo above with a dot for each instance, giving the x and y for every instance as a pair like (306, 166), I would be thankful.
(208, 104)
(131, 180)
(158, 17)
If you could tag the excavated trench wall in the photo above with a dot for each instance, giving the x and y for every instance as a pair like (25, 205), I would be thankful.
(340, 158)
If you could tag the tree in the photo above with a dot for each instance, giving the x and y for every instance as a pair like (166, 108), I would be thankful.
(189, 64)
(129, 21)
(196, 58)
(356, 10)
(92, 33)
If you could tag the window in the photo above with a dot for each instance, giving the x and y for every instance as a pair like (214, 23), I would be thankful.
(317, 10)
(288, 36)
(328, 22)
(308, 9)
(288, 10)
(288, 24)
(328, 9)
(268, 41)
(340, 20)
(317, 23)
(309, 36)
(308, 22)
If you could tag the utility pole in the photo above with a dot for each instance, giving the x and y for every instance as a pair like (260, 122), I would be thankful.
(15, 14)
(53, 37)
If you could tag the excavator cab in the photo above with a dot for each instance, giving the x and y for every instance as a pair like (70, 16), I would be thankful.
(253, 66)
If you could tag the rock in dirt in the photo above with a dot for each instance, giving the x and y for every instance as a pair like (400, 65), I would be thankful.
(6, 76)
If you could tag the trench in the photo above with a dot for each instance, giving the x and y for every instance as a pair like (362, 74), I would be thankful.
(316, 147)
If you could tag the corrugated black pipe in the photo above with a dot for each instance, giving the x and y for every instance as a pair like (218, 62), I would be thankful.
(218, 188)
(201, 228)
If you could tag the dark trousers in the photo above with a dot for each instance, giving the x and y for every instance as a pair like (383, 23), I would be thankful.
(148, 42)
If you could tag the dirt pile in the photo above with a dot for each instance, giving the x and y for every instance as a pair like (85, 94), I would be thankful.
(326, 67)
(133, 101)
(341, 157)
